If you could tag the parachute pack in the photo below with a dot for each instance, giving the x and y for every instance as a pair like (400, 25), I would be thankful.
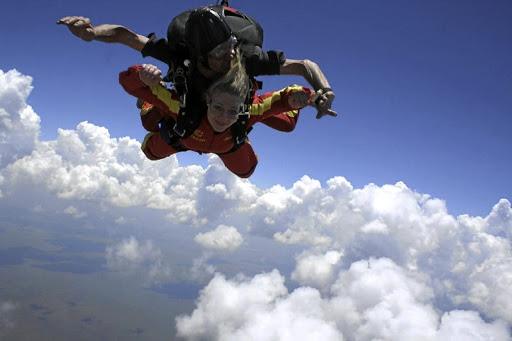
(246, 29)
(249, 34)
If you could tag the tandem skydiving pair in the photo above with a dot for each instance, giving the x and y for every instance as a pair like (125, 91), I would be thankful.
(214, 54)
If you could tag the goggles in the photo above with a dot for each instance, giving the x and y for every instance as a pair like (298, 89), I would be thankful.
(222, 49)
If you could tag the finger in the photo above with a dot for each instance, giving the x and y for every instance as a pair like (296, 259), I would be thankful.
(332, 113)
(329, 112)
(319, 115)
(71, 20)
(80, 23)
(64, 20)
(322, 102)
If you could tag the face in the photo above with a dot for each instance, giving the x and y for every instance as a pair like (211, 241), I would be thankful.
(223, 110)
(220, 58)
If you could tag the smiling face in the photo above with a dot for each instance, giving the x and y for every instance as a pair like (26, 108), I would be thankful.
(223, 110)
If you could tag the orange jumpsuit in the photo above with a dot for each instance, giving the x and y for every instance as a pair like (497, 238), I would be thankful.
(204, 139)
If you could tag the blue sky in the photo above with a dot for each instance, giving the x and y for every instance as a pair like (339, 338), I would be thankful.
(392, 219)
(422, 88)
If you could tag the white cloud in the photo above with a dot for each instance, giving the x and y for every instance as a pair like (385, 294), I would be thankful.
(87, 164)
(490, 276)
(384, 302)
(499, 222)
(146, 262)
(255, 309)
(467, 325)
(133, 257)
(200, 272)
(224, 237)
(19, 124)
(75, 212)
(120, 220)
(130, 251)
(301, 236)
(316, 270)
(452, 273)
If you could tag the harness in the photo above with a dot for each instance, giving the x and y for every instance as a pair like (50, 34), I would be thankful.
(173, 131)
(191, 112)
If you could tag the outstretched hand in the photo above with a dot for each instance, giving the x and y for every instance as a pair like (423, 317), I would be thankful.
(324, 105)
(150, 75)
(79, 26)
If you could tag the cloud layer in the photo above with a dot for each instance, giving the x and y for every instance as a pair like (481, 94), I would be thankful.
(381, 302)
(377, 262)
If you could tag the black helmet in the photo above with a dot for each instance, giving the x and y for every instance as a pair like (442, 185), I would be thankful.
(204, 30)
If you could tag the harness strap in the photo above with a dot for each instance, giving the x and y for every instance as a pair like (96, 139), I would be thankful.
(168, 135)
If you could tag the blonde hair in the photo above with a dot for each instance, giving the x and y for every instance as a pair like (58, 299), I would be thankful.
(236, 82)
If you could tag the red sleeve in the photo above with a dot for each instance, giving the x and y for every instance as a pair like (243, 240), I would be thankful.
(274, 102)
(157, 95)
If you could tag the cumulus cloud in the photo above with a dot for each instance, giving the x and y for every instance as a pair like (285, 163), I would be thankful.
(146, 261)
(200, 272)
(499, 222)
(368, 257)
(384, 302)
(224, 238)
(255, 309)
(316, 270)
(19, 124)
(131, 256)
(467, 325)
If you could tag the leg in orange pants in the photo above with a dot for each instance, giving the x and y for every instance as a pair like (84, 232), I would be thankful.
(241, 162)
(155, 148)
(150, 116)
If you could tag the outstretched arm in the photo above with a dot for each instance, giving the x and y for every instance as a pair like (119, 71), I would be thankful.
(142, 81)
(294, 97)
(82, 28)
(315, 77)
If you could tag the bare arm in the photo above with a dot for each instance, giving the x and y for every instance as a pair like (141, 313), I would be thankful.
(82, 28)
(315, 77)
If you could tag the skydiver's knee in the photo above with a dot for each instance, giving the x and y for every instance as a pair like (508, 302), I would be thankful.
(150, 155)
(155, 148)
(247, 172)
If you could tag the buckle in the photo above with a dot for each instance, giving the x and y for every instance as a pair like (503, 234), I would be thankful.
(241, 140)
(178, 130)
